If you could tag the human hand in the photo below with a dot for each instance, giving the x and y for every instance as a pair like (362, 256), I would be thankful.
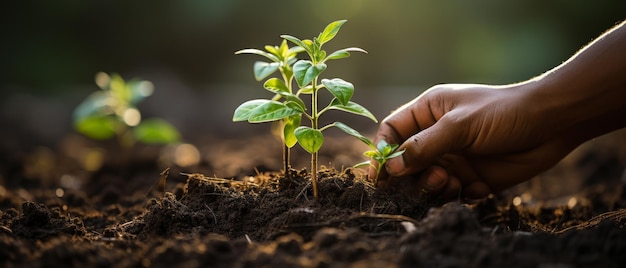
(470, 140)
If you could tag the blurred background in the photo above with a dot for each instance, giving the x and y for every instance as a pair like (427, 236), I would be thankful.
(51, 50)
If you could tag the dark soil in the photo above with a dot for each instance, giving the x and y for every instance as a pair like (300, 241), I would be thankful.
(54, 213)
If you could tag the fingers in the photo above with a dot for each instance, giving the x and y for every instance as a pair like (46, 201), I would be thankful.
(425, 147)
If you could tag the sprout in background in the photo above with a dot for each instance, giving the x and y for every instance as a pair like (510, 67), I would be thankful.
(112, 112)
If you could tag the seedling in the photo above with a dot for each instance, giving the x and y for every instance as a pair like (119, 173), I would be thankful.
(112, 112)
(307, 75)
(380, 152)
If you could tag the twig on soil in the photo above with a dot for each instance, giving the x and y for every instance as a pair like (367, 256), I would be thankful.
(360, 215)
(160, 182)
(617, 216)
(210, 210)
(384, 216)
(248, 239)
(301, 193)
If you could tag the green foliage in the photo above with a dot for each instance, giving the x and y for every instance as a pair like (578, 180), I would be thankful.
(380, 152)
(287, 106)
(112, 112)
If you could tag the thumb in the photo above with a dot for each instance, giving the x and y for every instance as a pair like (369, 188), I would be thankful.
(425, 147)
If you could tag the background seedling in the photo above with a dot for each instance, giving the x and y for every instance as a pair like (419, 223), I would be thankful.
(112, 112)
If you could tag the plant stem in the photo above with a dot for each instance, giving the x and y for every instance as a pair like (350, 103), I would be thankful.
(314, 125)
(286, 149)
(286, 160)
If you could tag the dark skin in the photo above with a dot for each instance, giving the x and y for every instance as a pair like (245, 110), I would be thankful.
(468, 140)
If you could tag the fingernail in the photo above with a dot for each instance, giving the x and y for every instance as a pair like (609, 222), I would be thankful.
(395, 166)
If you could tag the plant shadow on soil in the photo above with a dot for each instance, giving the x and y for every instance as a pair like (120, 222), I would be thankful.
(268, 220)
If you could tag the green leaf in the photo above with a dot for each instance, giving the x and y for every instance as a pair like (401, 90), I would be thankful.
(354, 133)
(330, 31)
(156, 131)
(294, 51)
(341, 89)
(276, 85)
(310, 44)
(396, 154)
(290, 125)
(352, 107)
(298, 42)
(371, 153)
(295, 103)
(271, 111)
(273, 50)
(304, 71)
(95, 104)
(283, 49)
(258, 52)
(306, 90)
(97, 127)
(320, 55)
(364, 163)
(383, 147)
(243, 112)
(343, 53)
(140, 90)
(310, 139)
(264, 69)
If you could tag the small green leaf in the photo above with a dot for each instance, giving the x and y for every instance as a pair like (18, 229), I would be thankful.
(330, 31)
(119, 89)
(156, 131)
(311, 44)
(276, 85)
(381, 146)
(341, 89)
(320, 55)
(258, 52)
(352, 107)
(273, 50)
(298, 42)
(343, 53)
(395, 154)
(283, 49)
(354, 133)
(97, 127)
(140, 90)
(242, 113)
(310, 139)
(295, 103)
(304, 71)
(271, 111)
(364, 163)
(95, 104)
(290, 125)
(306, 90)
(371, 153)
(294, 51)
(264, 69)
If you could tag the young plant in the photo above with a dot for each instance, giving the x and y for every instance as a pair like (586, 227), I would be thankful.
(306, 73)
(281, 58)
(380, 152)
(112, 112)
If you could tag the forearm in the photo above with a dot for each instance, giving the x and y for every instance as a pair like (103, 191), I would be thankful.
(589, 87)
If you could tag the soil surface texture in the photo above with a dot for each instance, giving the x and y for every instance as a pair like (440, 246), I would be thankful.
(238, 209)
